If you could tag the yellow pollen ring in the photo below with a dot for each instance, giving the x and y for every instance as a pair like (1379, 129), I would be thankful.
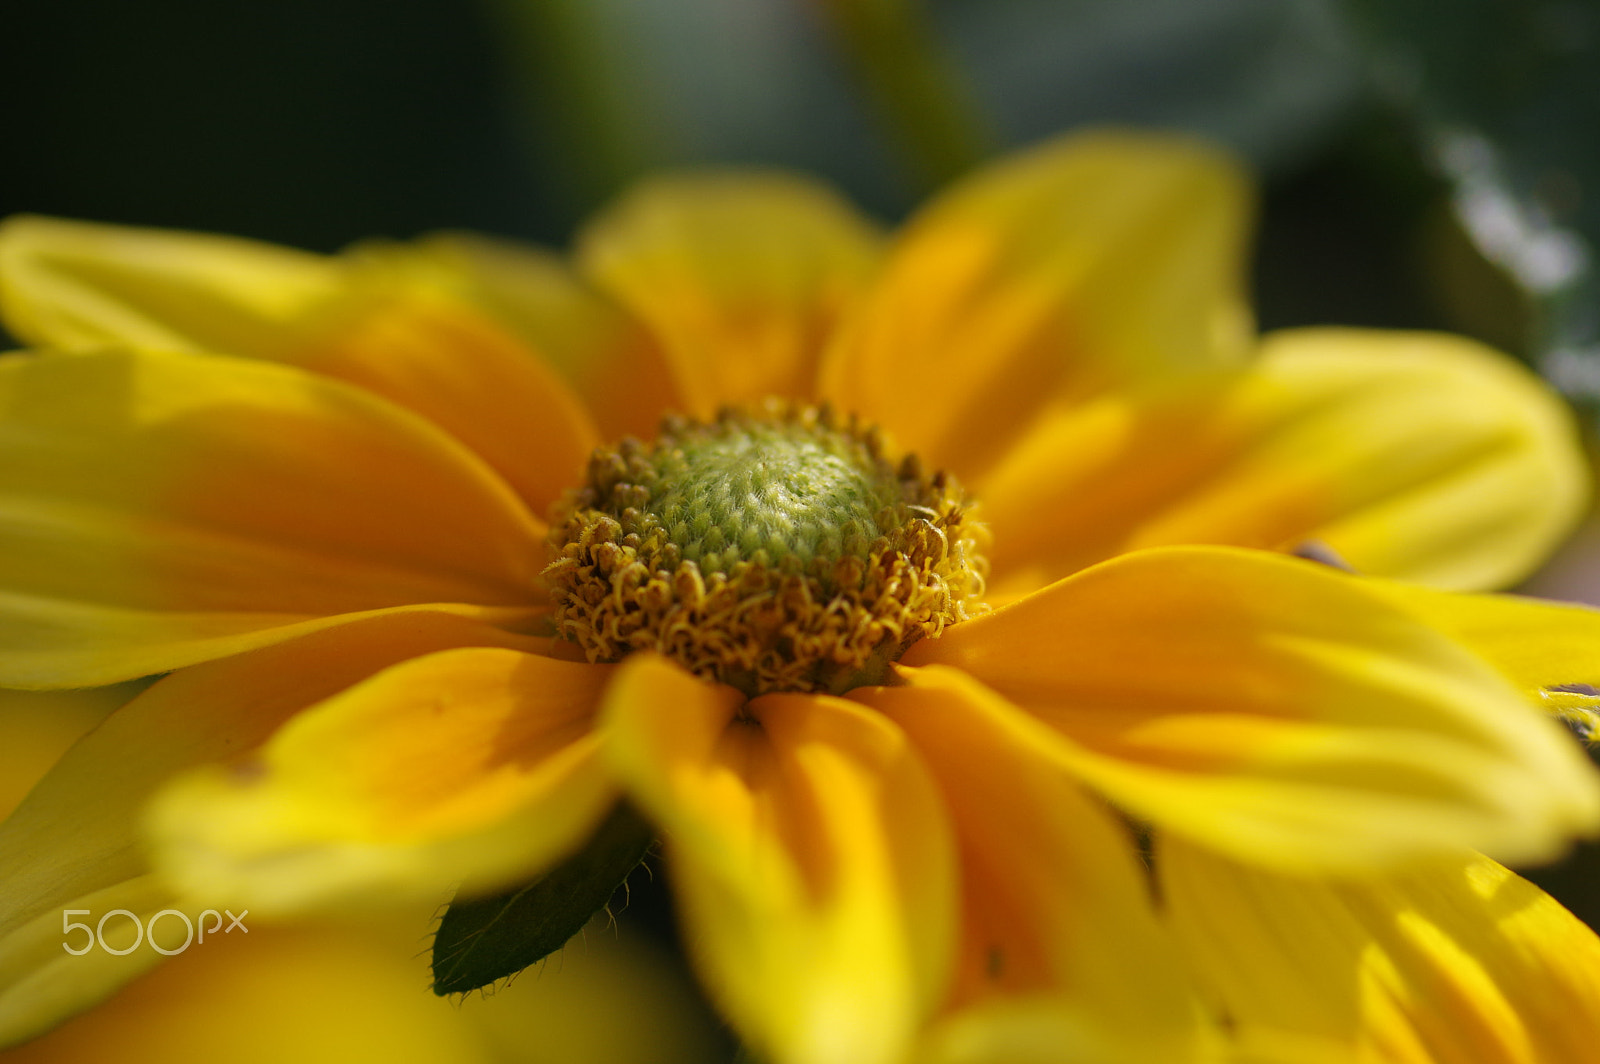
(774, 550)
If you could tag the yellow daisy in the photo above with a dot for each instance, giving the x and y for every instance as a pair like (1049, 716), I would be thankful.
(949, 544)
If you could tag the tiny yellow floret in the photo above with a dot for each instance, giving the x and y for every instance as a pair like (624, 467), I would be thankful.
(777, 549)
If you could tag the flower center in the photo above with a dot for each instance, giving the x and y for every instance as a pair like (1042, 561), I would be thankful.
(774, 550)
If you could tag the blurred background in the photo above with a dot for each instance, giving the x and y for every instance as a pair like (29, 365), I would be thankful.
(1418, 171)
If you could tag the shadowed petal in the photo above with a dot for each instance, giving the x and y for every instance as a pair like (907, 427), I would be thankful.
(39, 726)
(612, 362)
(444, 361)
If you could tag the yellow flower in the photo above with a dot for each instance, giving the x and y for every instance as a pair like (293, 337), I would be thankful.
(420, 640)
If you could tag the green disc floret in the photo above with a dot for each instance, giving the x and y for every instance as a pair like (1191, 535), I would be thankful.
(764, 492)
(774, 550)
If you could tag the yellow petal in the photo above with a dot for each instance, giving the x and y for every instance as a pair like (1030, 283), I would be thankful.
(475, 766)
(76, 285)
(1274, 709)
(1440, 460)
(76, 836)
(1098, 259)
(1056, 909)
(444, 361)
(613, 363)
(37, 727)
(617, 995)
(1416, 456)
(1032, 1029)
(741, 276)
(158, 509)
(326, 993)
(810, 856)
(1549, 650)
(43, 983)
(1459, 963)
(1036, 1030)
(315, 995)
(208, 713)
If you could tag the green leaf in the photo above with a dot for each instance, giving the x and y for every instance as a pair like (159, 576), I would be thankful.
(481, 940)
